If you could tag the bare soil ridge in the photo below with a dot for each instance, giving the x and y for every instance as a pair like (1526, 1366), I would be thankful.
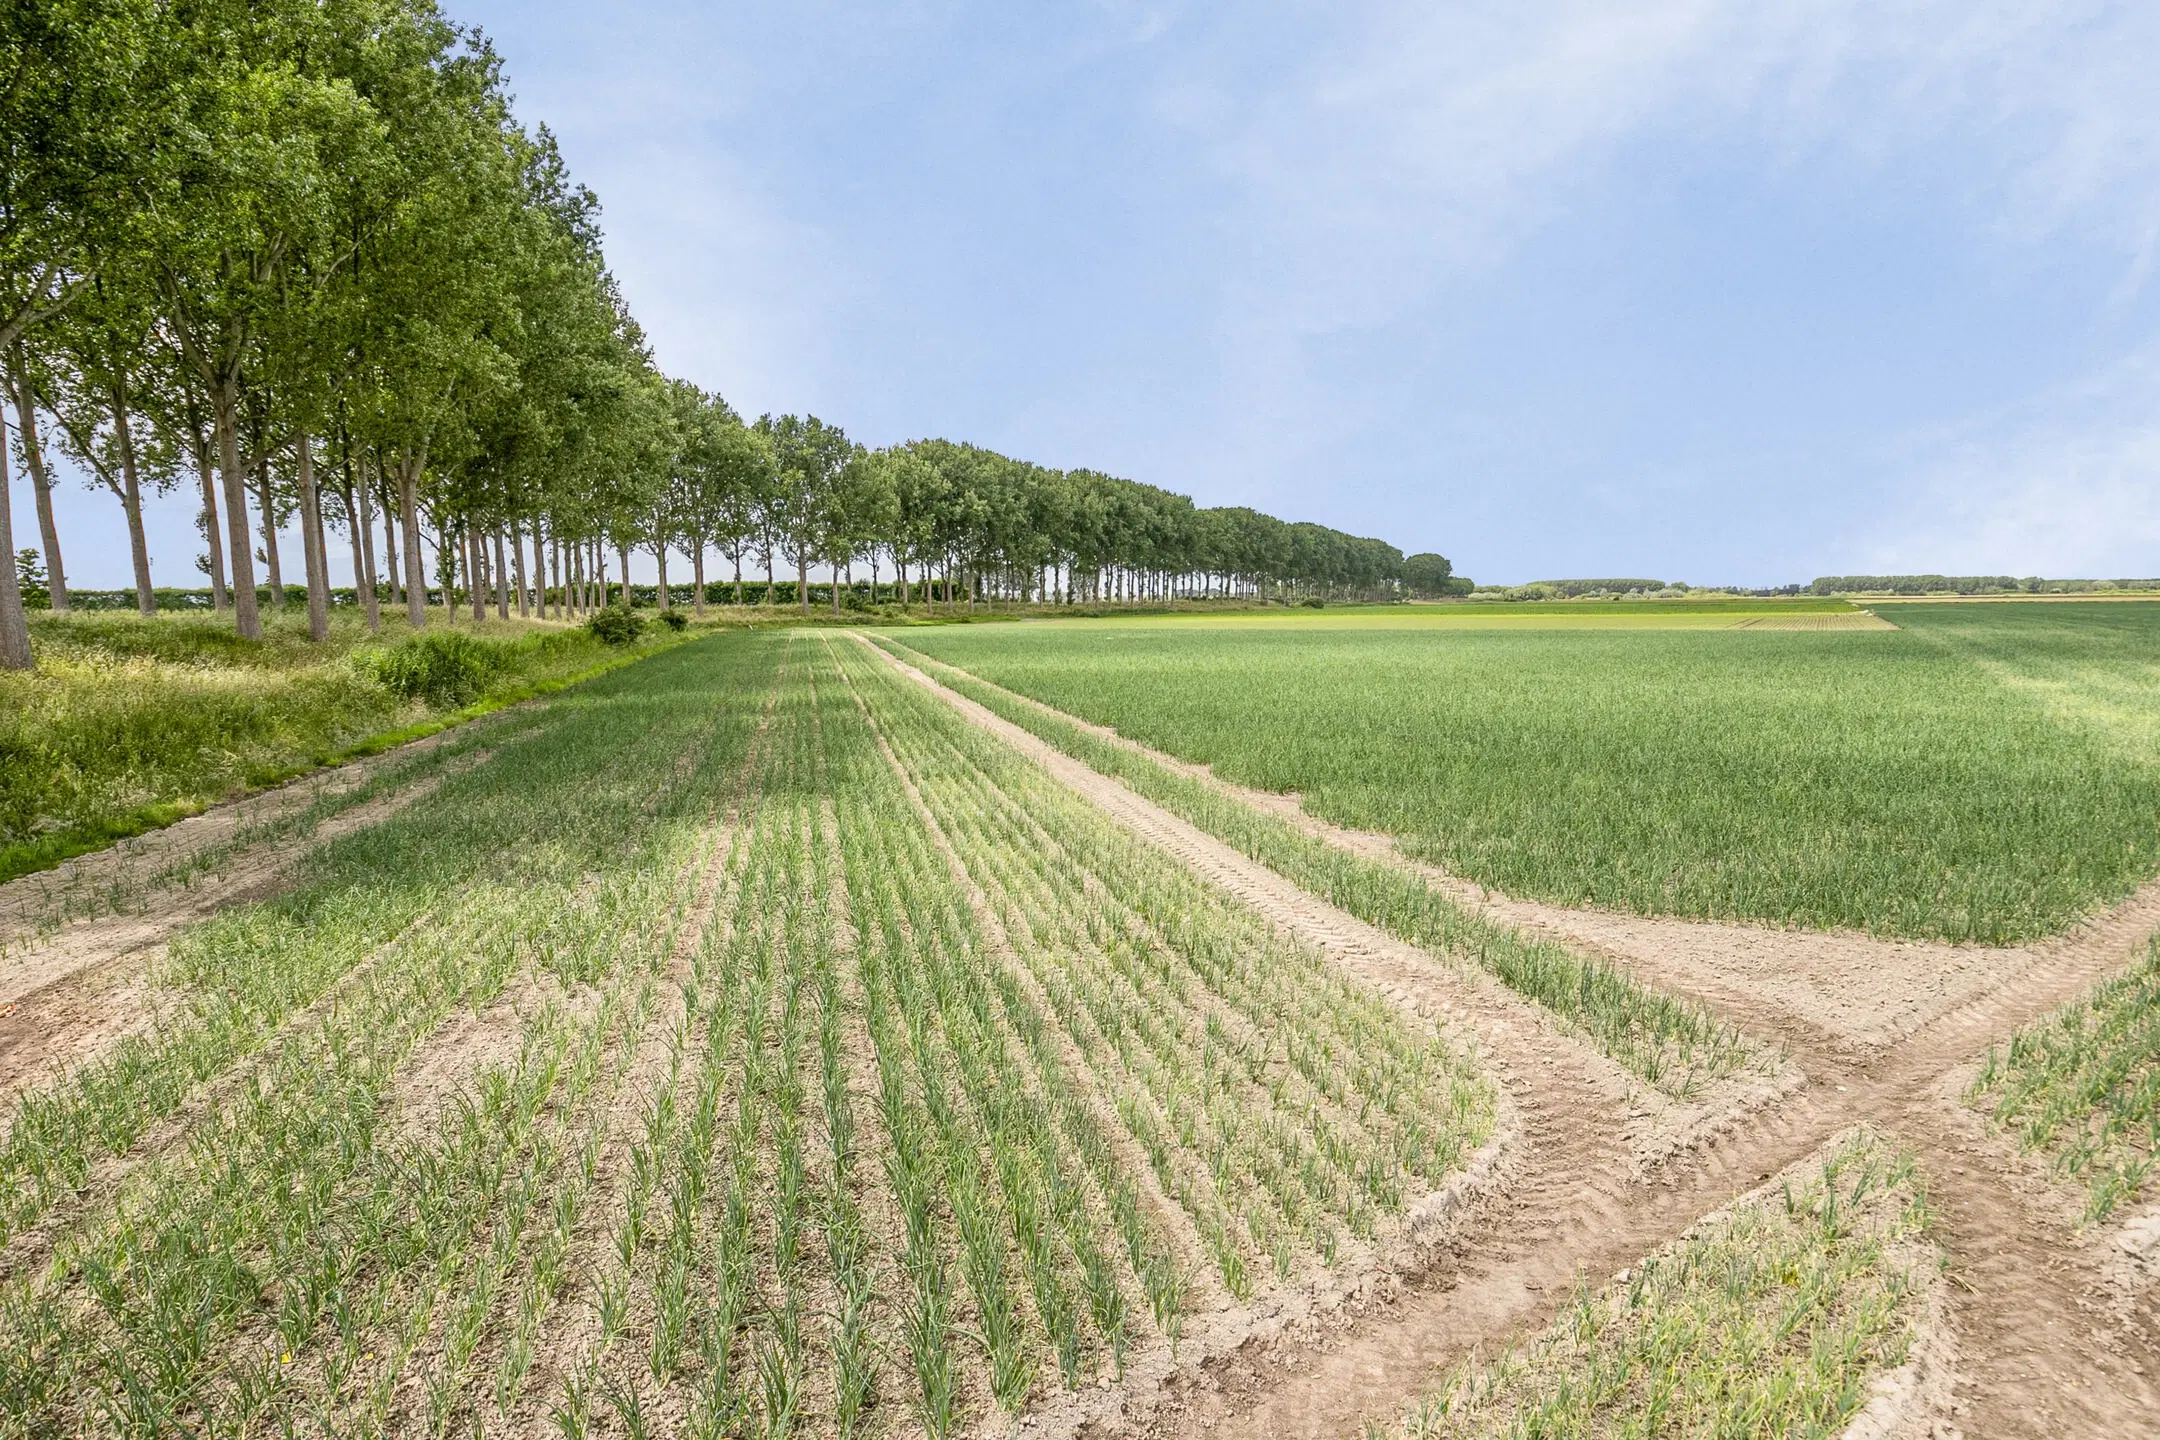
(2043, 1349)
(78, 944)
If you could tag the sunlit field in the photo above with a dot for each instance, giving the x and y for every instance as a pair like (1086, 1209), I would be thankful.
(1718, 614)
(1980, 773)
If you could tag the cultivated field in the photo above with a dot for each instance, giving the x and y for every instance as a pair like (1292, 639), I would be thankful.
(793, 1034)
(1981, 774)
(756, 1045)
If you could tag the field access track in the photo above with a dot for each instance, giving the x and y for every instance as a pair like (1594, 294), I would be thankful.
(2045, 1349)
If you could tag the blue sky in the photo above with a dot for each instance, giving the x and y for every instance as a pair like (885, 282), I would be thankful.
(1742, 292)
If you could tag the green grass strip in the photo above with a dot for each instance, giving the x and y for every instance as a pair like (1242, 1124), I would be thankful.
(28, 857)
(1672, 1044)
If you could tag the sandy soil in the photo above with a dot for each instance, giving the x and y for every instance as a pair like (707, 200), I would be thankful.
(2042, 1351)
(1809, 986)
(69, 991)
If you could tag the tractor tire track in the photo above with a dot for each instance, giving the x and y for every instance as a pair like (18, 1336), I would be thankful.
(2042, 1353)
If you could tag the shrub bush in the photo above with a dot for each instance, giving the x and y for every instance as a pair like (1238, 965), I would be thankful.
(675, 620)
(1314, 602)
(616, 625)
(442, 668)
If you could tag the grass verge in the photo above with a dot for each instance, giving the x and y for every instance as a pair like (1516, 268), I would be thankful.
(129, 725)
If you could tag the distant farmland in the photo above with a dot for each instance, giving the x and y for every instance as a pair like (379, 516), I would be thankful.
(1976, 775)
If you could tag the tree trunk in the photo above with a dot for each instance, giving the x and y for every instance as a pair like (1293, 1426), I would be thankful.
(802, 576)
(502, 582)
(360, 523)
(738, 577)
(396, 591)
(269, 533)
(517, 559)
(40, 483)
(131, 500)
(446, 570)
(697, 577)
(317, 555)
(770, 588)
(623, 553)
(225, 419)
(660, 556)
(359, 508)
(409, 521)
(902, 566)
(476, 572)
(220, 599)
(14, 625)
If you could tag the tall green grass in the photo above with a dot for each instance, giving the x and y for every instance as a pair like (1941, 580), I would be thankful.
(130, 723)
(1983, 774)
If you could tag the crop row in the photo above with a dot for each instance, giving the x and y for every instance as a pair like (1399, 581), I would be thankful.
(746, 1046)
(1275, 1101)
(1772, 1319)
(2082, 1086)
(243, 1214)
(1674, 1045)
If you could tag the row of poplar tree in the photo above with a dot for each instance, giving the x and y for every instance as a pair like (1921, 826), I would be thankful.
(300, 255)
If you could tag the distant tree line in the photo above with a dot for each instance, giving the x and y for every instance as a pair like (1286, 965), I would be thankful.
(301, 258)
(1573, 589)
(1966, 585)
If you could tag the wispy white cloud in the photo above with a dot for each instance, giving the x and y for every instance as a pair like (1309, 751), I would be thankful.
(2064, 483)
(1419, 140)
(1410, 152)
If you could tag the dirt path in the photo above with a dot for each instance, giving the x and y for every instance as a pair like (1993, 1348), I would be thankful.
(70, 988)
(2043, 1351)
(128, 875)
(1810, 988)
